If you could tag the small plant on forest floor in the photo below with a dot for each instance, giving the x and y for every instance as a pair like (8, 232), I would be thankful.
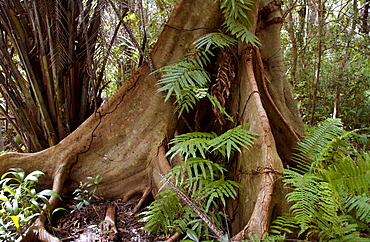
(21, 203)
(86, 191)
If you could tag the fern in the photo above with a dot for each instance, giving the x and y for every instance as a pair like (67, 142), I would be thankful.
(232, 140)
(193, 144)
(182, 76)
(219, 189)
(190, 144)
(310, 150)
(285, 223)
(238, 21)
(162, 213)
(326, 185)
(194, 171)
(217, 104)
(358, 205)
(199, 181)
(214, 40)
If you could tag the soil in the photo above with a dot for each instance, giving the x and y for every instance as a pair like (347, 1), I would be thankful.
(90, 223)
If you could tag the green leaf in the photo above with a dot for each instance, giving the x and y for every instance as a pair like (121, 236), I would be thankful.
(192, 235)
(48, 192)
(33, 176)
(15, 220)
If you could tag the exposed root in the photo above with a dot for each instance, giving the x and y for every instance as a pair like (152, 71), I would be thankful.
(142, 200)
(110, 224)
(174, 237)
(37, 232)
(258, 223)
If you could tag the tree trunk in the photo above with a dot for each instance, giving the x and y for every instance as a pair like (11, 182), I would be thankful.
(320, 19)
(126, 139)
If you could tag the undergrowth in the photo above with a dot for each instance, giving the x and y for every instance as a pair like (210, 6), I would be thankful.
(20, 203)
(330, 187)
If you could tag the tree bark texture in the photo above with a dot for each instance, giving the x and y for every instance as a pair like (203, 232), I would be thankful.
(126, 139)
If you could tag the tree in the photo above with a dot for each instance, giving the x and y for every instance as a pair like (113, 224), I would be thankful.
(52, 60)
(334, 33)
(126, 139)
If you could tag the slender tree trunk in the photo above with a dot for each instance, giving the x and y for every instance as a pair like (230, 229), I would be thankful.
(344, 61)
(126, 139)
(320, 18)
(294, 49)
(365, 18)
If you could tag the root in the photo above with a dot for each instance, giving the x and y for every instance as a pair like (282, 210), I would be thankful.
(110, 224)
(142, 200)
(37, 232)
(174, 237)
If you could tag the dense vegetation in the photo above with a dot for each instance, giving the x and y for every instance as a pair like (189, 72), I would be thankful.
(326, 51)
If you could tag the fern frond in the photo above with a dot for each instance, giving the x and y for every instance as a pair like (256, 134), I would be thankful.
(238, 21)
(218, 105)
(310, 150)
(190, 144)
(241, 32)
(161, 213)
(314, 201)
(358, 205)
(180, 76)
(186, 80)
(214, 40)
(285, 223)
(232, 140)
(188, 98)
(196, 170)
(349, 176)
(218, 190)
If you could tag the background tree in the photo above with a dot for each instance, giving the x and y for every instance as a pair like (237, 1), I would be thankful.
(126, 139)
(53, 58)
(343, 87)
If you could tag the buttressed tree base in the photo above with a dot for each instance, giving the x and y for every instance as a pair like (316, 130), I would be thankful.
(126, 139)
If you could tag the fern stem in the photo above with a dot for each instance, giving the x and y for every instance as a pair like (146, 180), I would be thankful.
(188, 201)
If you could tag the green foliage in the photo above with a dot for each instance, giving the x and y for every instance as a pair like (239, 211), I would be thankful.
(310, 152)
(162, 213)
(214, 40)
(238, 20)
(344, 61)
(232, 140)
(199, 143)
(200, 180)
(86, 191)
(186, 79)
(331, 187)
(20, 202)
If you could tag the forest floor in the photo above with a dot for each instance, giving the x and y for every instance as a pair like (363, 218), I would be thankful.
(92, 223)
